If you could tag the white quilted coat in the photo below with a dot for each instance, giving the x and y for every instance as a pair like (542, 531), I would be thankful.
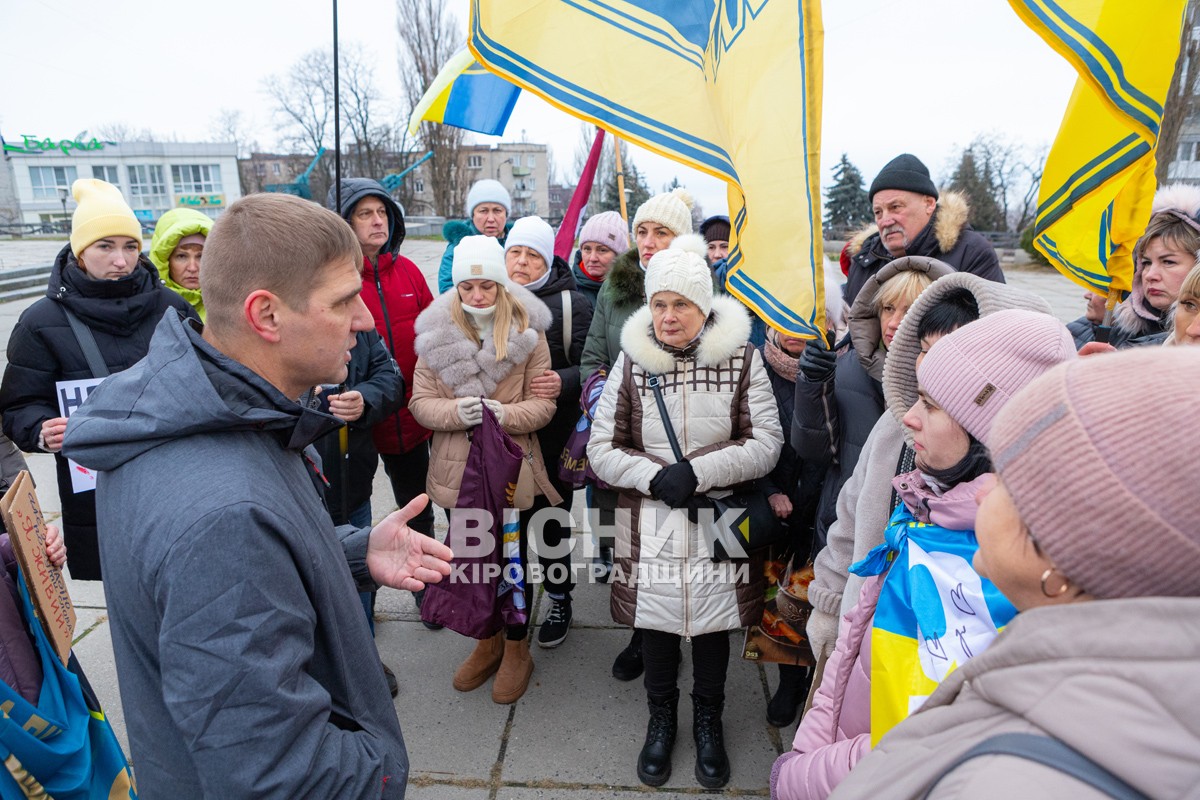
(724, 415)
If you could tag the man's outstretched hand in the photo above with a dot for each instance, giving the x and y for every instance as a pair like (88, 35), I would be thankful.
(402, 558)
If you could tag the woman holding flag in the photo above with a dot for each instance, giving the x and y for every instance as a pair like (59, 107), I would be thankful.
(923, 609)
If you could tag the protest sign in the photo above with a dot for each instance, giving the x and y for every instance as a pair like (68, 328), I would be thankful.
(779, 637)
(71, 395)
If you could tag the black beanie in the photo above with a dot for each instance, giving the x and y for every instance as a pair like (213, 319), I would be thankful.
(905, 172)
(715, 229)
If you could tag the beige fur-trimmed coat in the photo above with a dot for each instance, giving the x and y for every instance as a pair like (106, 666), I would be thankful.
(450, 366)
(724, 414)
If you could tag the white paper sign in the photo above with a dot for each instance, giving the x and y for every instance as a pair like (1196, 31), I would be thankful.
(71, 395)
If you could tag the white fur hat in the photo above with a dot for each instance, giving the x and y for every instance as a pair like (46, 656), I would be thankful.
(479, 258)
(672, 210)
(681, 268)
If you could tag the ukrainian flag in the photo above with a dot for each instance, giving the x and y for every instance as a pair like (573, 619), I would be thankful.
(1098, 182)
(466, 95)
(729, 88)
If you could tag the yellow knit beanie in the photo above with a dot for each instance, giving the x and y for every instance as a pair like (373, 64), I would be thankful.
(102, 212)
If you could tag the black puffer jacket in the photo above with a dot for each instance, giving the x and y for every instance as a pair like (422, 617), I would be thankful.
(42, 350)
(564, 361)
(372, 372)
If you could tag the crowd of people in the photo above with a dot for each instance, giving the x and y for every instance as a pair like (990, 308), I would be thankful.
(958, 465)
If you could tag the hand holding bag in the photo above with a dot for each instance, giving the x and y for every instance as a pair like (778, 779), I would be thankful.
(736, 524)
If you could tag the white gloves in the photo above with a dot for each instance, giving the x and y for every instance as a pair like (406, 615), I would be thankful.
(822, 632)
(497, 408)
(470, 411)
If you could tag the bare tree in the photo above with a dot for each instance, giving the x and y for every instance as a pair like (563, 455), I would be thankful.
(229, 126)
(429, 36)
(1180, 105)
(303, 110)
(124, 132)
(1009, 174)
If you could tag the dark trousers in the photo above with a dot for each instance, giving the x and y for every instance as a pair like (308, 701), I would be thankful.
(557, 569)
(710, 663)
(407, 472)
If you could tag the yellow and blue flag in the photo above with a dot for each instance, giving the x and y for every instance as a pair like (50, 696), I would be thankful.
(466, 95)
(1098, 181)
(728, 87)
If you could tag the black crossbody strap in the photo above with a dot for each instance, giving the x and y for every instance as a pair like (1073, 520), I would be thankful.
(1051, 753)
(655, 383)
(87, 343)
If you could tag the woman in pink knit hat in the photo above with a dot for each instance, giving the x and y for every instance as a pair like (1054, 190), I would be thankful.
(923, 610)
(1093, 537)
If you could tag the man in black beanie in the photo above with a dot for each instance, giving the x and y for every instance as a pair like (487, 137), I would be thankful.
(911, 219)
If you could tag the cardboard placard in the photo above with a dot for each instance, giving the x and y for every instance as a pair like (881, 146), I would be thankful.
(22, 515)
(780, 638)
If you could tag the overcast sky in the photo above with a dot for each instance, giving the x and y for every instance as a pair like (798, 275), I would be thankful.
(922, 76)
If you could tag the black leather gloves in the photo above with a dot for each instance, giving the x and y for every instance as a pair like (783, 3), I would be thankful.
(674, 484)
(817, 362)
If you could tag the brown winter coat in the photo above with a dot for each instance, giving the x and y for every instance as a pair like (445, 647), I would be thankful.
(450, 366)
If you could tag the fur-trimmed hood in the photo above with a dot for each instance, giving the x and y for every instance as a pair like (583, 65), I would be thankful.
(468, 370)
(866, 333)
(725, 333)
(626, 281)
(950, 219)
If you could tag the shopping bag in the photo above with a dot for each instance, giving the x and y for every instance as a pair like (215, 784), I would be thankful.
(485, 590)
(573, 467)
(779, 637)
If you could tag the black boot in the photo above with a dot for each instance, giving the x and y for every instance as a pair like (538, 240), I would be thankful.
(629, 661)
(712, 763)
(605, 560)
(654, 762)
(793, 689)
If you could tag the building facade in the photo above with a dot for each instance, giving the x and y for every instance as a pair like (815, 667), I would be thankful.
(522, 168)
(154, 177)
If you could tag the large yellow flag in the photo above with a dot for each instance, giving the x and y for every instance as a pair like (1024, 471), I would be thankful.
(729, 87)
(1098, 183)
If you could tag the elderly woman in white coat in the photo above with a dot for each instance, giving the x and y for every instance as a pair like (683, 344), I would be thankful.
(721, 406)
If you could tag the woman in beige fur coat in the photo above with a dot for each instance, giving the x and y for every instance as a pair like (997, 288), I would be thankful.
(463, 363)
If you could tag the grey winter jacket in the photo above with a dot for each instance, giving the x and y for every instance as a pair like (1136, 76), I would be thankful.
(1114, 679)
(866, 500)
(245, 663)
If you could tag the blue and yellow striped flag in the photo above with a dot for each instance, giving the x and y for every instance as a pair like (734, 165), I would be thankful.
(729, 88)
(466, 95)
(1098, 182)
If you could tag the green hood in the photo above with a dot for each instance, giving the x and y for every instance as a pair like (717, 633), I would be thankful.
(173, 226)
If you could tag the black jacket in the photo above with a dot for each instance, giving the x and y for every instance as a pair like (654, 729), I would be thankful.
(565, 362)
(42, 350)
(372, 372)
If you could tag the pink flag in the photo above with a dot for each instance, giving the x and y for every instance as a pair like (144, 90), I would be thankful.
(565, 239)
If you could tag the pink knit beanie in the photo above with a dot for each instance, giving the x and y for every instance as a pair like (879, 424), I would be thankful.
(974, 371)
(608, 229)
(1099, 457)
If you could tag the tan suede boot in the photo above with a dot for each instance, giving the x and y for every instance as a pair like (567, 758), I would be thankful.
(515, 669)
(481, 664)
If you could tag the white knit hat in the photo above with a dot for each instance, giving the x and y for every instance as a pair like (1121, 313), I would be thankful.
(533, 232)
(672, 210)
(479, 258)
(488, 191)
(681, 268)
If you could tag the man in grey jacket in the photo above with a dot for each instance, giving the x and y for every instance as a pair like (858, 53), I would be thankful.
(245, 663)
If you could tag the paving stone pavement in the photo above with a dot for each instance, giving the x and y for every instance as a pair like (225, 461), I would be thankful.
(577, 731)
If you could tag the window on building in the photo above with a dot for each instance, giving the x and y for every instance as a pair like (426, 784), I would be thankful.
(531, 161)
(196, 178)
(275, 169)
(148, 188)
(474, 162)
(419, 185)
(106, 173)
(48, 180)
(530, 182)
(533, 206)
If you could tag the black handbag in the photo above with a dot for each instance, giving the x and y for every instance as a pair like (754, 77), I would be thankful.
(734, 525)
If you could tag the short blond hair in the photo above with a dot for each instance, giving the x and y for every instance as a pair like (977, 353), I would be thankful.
(275, 242)
(903, 287)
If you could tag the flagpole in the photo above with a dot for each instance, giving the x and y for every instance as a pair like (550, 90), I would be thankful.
(620, 178)
(337, 121)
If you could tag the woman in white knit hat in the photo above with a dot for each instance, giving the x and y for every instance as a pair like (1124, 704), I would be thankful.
(656, 224)
(488, 207)
(664, 583)
(102, 281)
(484, 343)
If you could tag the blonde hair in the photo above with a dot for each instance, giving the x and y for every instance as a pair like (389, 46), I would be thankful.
(508, 312)
(900, 288)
